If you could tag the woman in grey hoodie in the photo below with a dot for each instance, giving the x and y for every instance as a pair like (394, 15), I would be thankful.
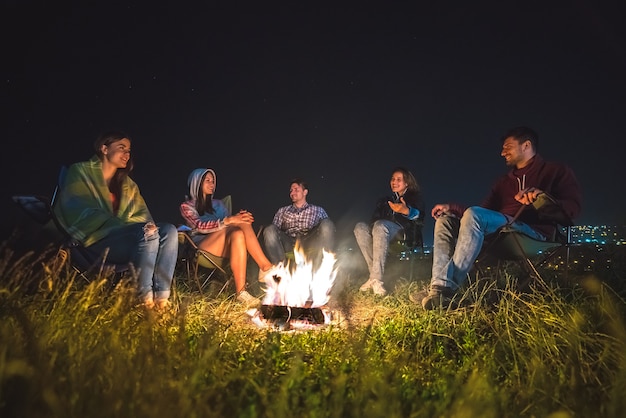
(215, 230)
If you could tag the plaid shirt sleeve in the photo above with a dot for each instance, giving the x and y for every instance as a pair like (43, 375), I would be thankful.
(319, 214)
(278, 218)
(193, 220)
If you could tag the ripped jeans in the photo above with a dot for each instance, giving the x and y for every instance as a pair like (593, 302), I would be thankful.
(153, 256)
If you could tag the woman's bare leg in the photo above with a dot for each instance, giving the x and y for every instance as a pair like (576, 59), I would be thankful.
(236, 241)
(221, 243)
(215, 243)
(254, 248)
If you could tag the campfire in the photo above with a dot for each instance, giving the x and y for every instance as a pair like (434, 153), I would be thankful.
(297, 296)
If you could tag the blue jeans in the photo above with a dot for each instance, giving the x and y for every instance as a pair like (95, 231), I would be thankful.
(457, 243)
(374, 244)
(153, 257)
(277, 243)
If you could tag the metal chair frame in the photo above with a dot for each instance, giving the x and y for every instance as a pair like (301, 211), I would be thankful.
(408, 248)
(194, 258)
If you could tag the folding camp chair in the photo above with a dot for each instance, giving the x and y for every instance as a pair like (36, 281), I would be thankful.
(509, 245)
(408, 247)
(194, 258)
(84, 261)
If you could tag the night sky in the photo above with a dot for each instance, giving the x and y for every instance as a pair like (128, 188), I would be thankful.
(338, 95)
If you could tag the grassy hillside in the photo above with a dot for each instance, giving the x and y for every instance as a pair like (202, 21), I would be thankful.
(72, 348)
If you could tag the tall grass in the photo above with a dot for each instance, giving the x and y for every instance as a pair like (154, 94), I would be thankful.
(69, 348)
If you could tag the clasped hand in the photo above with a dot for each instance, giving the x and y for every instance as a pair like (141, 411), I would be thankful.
(528, 195)
(243, 217)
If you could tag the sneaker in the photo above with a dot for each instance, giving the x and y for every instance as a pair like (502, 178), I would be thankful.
(367, 285)
(246, 298)
(438, 297)
(378, 289)
(273, 272)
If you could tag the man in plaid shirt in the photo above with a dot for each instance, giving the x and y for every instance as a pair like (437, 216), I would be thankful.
(299, 221)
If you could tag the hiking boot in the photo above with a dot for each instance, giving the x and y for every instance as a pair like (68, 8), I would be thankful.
(438, 297)
(378, 289)
(247, 299)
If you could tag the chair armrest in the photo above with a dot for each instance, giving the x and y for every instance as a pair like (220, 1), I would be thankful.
(549, 209)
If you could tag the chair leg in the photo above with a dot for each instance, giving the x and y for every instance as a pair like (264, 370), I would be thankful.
(226, 283)
(208, 278)
(201, 285)
(528, 266)
(196, 277)
(568, 237)
(59, 260)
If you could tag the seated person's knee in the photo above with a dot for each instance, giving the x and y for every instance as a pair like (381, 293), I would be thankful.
(270, 232)
(327, 226)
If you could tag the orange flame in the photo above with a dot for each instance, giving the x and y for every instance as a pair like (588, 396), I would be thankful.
(301, 286)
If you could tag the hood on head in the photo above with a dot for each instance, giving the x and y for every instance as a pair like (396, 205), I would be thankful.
(195, 178)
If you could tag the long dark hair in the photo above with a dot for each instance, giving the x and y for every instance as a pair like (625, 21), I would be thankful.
(204, 204)
(107, 139)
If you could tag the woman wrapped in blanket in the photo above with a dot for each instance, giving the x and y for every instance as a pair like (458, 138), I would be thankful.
(101, 207)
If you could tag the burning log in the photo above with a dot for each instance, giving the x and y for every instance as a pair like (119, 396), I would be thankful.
(280, 313)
